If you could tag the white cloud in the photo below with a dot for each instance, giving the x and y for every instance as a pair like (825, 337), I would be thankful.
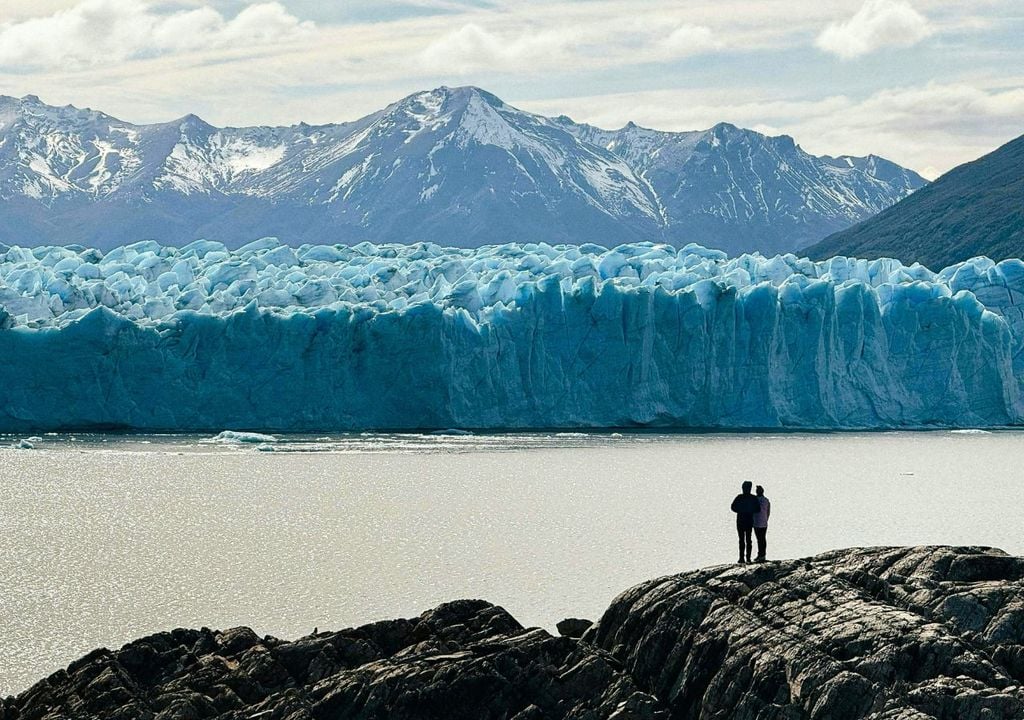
(101, 32)
(20, 9)
(686, 40)
(878, 24)
(595, 42)
(196, 56)
(471, 48)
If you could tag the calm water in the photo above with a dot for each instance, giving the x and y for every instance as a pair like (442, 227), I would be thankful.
(105, 539)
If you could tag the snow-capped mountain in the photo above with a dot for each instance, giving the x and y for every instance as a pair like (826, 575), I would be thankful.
(456, 166)
(736, 189)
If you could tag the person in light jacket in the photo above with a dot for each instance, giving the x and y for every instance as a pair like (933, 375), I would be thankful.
(761, 523)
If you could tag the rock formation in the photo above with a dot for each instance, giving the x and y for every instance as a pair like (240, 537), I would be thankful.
(879, 633)
(908, 633)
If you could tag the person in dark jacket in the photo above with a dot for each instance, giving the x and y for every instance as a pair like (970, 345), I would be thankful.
(745, 506)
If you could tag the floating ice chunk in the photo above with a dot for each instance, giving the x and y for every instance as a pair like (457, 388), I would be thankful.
(232, 436)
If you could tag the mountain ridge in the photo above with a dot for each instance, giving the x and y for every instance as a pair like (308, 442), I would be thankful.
(975, 209)
(811, 189)
(456, 166)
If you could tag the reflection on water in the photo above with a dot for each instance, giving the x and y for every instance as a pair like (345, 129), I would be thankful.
(104, 538)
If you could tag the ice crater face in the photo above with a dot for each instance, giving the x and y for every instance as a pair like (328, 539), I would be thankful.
(270, 337)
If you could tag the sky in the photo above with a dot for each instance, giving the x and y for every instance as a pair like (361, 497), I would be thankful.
(929, 84)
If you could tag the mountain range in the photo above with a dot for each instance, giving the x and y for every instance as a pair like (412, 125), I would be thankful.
(974, 209)
(455, 166)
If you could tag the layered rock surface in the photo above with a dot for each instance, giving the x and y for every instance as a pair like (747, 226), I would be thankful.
(466, 659)
(881, 633)
(909, 633)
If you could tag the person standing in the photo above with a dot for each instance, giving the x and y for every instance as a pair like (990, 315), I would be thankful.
(761, 523)
(745, 506)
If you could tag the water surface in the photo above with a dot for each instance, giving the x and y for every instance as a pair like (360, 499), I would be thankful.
(107, 538)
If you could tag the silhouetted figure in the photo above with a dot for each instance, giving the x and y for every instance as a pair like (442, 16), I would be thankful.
(761, 523)
(745, 506)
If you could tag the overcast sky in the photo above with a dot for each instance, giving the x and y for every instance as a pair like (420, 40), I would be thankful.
(927, 83)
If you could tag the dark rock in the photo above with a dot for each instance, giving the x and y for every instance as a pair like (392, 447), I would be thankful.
(465, 659)
(932, 633)
(573, 627)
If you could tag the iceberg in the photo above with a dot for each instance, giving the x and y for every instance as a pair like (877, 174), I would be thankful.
(235, 437)
(271, 338)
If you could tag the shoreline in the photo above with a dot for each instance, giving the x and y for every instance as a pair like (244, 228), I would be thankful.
(847, 633)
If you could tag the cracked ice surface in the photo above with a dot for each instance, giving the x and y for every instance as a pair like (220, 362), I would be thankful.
(269, 337)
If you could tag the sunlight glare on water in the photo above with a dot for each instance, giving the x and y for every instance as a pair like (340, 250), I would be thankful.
(104, 539)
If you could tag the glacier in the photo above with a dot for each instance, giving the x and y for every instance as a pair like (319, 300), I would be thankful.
(273, 338)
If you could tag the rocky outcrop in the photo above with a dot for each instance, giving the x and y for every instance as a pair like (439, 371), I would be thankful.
(880, 633)
(466, 659)
(907, 633)
(573, 627)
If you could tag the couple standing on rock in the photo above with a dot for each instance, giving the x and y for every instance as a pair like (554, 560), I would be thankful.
(752, 513)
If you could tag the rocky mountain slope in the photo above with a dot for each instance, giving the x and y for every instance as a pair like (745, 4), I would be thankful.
(974, 209)
(881, 633)
(455, 166)
(737, 189)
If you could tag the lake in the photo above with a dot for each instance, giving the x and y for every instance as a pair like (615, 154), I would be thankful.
(104, 539)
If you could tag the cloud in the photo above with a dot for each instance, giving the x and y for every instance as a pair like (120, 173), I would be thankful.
(471, 48)
(104, 32)
(878, 24)
(595, 56)
(684, 41)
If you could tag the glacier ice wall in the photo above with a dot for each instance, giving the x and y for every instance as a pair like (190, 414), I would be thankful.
(514, 336)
